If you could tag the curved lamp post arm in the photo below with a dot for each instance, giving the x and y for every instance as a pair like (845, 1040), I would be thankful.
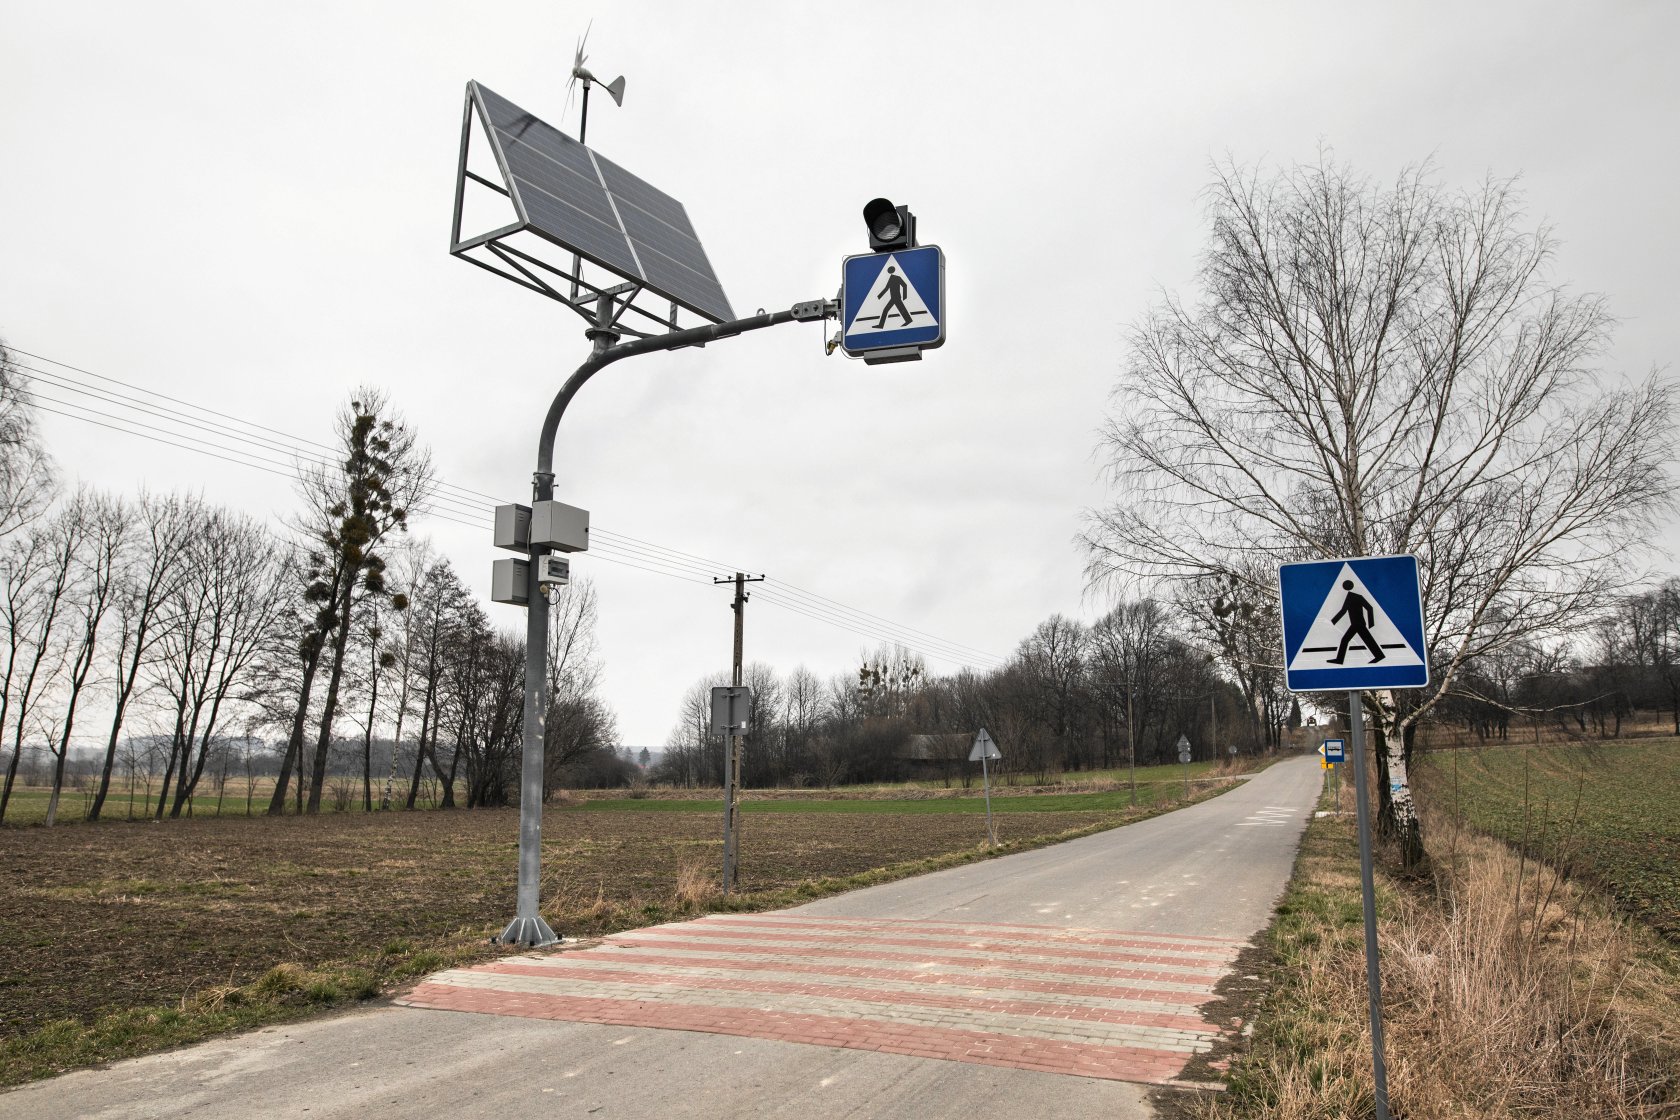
(528, 926)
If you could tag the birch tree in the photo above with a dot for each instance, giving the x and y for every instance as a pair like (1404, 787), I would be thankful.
(1373, 370)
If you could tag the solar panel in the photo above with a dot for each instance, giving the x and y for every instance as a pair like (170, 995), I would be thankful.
(584, 202)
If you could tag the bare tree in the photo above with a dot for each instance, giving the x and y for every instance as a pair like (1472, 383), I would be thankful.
(413, 568)
(1052, 662)
(228, 608)
(38, 579)
(146, 583)
(574, 666)
(352, 509)
(436, 617)
(26, 476)
(1376, 371)
(1650, 625)
(96, 528)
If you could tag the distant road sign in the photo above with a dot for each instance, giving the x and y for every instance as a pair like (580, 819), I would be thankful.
(1183, 749)
(984, 748)
(1333, 750)
(893, 301)
(1353, 623)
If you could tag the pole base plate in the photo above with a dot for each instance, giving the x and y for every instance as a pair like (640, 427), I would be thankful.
(529, 933)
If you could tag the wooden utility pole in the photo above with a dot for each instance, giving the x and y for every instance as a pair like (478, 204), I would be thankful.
(732, 740)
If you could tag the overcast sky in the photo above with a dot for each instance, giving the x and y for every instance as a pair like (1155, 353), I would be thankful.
(247, 207)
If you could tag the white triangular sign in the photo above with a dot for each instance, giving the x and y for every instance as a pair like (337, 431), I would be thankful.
(1347, 626)
(893, 304)
(984, 748)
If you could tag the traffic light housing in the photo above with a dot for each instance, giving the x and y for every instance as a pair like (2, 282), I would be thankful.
(890, 227)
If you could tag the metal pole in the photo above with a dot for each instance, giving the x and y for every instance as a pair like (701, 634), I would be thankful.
(731, 759)
(1373, 978)
(986, 780)
(528, 927)
(1131, 742)
(583, 134)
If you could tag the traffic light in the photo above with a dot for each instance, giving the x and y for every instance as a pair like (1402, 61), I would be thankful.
(890, 227)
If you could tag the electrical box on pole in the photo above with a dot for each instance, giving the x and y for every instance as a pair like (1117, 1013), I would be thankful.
(510, 582)
(561, 527)
(513, 527)
(553, 571)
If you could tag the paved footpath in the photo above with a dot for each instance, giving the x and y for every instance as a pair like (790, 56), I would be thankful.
(1059, 983)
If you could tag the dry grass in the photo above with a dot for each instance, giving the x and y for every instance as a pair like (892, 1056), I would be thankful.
(1509, 992)
(697, 884)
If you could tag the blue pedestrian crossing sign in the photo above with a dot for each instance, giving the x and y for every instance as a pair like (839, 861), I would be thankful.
(1353, 623)
(892, 305)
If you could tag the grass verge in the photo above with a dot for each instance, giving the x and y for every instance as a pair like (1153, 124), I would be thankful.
(289, 991)
(1508, 990)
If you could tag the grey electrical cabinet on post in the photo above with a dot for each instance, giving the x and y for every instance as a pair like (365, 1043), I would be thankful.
(561, 527)
(509, 582)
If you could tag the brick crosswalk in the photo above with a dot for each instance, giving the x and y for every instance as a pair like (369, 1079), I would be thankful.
(1096, 1003)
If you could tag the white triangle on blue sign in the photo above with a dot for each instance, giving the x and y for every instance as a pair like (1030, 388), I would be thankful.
(1336, 640)
(893, 304)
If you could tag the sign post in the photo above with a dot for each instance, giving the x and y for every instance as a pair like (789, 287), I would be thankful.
(1352, 624)
(985, 750)
(1184, 760)
(1335, 753)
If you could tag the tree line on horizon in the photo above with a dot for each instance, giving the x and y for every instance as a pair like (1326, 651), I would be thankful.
(199, 626)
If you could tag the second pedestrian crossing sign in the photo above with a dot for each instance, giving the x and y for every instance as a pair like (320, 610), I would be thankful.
(892, 305)
(1353, 623)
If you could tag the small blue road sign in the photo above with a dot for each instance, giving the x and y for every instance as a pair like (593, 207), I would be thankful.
(893, 301)
(1353, 623)
(1335, 750)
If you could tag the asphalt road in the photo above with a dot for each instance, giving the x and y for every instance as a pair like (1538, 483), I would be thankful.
(1211, 871)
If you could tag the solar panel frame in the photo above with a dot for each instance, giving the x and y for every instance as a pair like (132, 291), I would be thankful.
(575, 198)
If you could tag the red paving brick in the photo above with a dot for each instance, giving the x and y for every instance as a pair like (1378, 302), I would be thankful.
(1021, 997)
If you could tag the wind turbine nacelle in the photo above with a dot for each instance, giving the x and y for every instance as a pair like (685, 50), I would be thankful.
(614, 87)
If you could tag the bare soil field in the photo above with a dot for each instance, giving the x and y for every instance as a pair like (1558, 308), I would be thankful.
(121, 915)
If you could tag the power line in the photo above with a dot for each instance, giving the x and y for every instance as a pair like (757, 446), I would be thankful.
(458, 505)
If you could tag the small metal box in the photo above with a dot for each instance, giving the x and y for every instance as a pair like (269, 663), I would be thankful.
(553, 571)
(562, 527)
(510, 581)
(513, 527)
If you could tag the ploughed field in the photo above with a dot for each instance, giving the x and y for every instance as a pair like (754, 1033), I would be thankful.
(1607, 810)
(122, 915)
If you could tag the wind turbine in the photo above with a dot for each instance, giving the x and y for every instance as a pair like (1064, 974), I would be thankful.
(580, 73)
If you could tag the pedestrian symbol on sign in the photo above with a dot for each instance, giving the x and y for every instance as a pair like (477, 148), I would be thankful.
(894, 291)
(1351, 623)
(1360, 615)
(893, 296)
